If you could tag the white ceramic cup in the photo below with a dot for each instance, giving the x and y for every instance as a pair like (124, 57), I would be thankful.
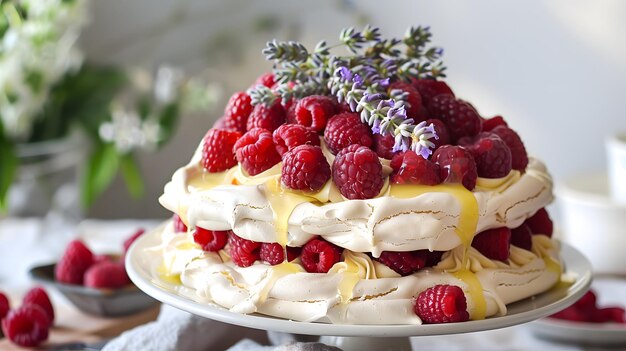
(593, 223)
(616, 158)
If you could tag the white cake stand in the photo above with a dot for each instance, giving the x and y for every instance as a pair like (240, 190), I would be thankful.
(362, 337)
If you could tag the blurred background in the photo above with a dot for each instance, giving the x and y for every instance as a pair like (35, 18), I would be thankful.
(556, 70)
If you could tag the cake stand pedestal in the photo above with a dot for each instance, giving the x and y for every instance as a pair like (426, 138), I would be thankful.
(363, 337)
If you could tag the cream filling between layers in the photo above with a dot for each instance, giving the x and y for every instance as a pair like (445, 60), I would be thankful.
(356, 286)
(386, 223)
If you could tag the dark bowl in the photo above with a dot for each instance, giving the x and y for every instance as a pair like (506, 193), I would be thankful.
(100, 302)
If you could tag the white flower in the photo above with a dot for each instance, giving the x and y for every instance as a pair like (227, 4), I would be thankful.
(128, 132)
(167, 84)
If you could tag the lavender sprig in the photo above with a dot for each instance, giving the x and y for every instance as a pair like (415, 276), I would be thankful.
(385, 115)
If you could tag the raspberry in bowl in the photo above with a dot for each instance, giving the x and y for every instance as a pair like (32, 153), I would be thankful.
(95, 284)
(363, 191)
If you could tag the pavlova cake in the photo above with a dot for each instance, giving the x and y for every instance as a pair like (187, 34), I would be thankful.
(359, 189)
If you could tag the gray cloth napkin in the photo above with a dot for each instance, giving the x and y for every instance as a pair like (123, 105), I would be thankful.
(176, 330)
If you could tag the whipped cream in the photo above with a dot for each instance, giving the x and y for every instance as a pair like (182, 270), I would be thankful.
(431, 220)
(355, 287)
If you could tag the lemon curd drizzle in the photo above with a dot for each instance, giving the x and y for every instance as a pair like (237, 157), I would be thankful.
(466, 229)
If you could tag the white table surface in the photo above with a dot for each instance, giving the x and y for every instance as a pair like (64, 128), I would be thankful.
(27, 242)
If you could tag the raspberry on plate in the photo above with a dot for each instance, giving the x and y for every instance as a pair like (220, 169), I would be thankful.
(38, 296)
(243, 251)
(305, 168)
(75, 261)
(217, 150)
(404, 263)
(130, 240)
(288, 136)
(237, 112)
(27, 326)
(313, 112)
(358, 173)
(4, 305)
(494, 243)
(346, 129)
(318, 256)
(179, 225)
(522, 237)
(442, 133)
(519, 157)
(442, 304)
(490, 123)
(383, 145)
(267, 117)
(411, 168)
(491, 154)
(106, 275)
(457, 165)
(413, 101)
(256, 152)
(459, 116)
(540, 223)
(211, 240)
(274, 254)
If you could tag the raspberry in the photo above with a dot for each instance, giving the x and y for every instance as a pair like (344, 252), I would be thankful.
(608, 315)
(383, 145)
(571, 314)
(522, 237)
(346, 129)
(305, 168)
(457, 165)
(288, 136)
(237, 112)
(492, 156)
(106, 275)
(411, 168)
(27, 326)
(4, 305)
(242, 251)
(587, 302)
(274, 254)
(256, 152)
(267, 117)
(266, 79)
(179, 225)
(130, 240)
(490, 123)
(405, 263)
(210, 240)
(433, 258)
(313, 111)
(318, 256)
(540, 223)
(519, 157)
(442, 133)
(357, 172)
(493, 243)
(38, 296)
(413, 100)
(217, 150)
(73, 264)
(429, 88)
(459, 116)
(442, 304)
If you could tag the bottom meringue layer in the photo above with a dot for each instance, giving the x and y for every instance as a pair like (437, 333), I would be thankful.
(357, 290)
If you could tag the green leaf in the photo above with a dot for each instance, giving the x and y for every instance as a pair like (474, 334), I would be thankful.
(8, 168)
(132, 175)
(167, 121)
(101, 169)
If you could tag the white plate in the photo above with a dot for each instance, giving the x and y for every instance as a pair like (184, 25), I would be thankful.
(610, 292)
(520, 312)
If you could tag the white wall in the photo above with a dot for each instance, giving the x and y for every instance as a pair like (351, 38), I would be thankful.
(556, 70)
